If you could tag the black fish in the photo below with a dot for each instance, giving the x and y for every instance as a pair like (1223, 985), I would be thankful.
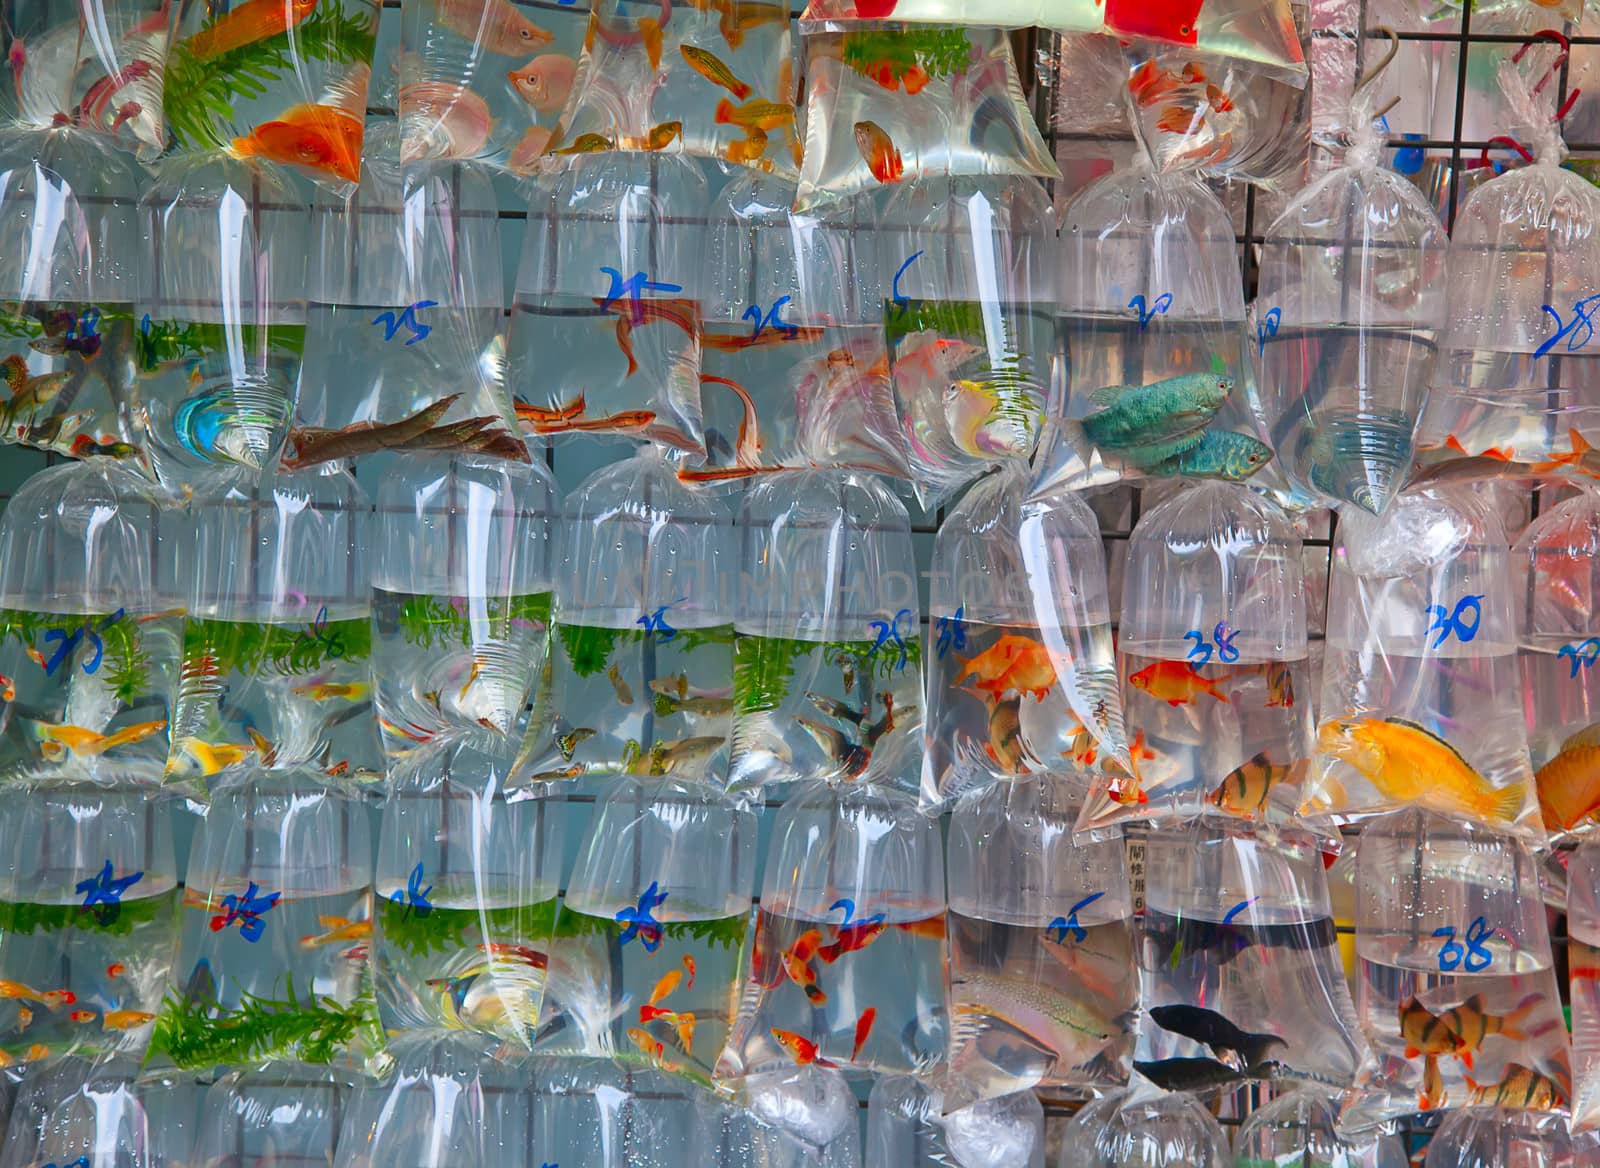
(1188, 1074)
(1212, 1029)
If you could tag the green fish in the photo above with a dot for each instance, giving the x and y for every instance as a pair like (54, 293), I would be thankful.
(1220, 454)
(1142, 415)
(1159, 452)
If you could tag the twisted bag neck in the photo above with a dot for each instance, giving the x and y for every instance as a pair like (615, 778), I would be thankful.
(1532, 115)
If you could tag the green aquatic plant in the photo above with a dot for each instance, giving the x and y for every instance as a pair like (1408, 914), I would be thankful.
(434, 622)
(196, 1031)
(590, 647)
(762, 669)
(961, 319)
(448, 930)
(879, 54)
(17, 325)
(715, 932)
(290, 650)
(164, 342)
(127, 666)
(25, 917)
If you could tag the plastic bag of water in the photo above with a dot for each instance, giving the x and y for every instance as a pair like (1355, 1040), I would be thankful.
(273, 1116)
(1213, 658)
(1153, 332)
(91, 616)
(641, 649)
(1474, 1136)
(1302, 1129)
(1420, 699)
(405, 301)
(272, 959)
(1237, 926)
(910, 1123)
(1345, 347)
(611, 260)
(1514, 393)
(848, 963)
(796, 1117)
(79, 1111)
(88, 919)
(466, 896)
(970, 321)
(1455, 986)
(1021, 675)
(652, 930)
(1044, 981)
(222, 325)
(277, 640)
(1583, 973)
(1140, 1126)
(600, 1114)
(828, 658)
(949, 99)
(463, 563)
(69, 217)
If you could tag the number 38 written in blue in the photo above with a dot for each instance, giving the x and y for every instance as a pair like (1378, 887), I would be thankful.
(1473, 956)
(1202, 649)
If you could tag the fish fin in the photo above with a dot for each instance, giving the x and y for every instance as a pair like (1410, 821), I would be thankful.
(1412, 1052)
(1466, 1060)
(1507, 804)
(1108, 395)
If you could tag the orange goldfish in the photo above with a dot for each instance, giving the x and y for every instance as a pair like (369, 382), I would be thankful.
(1149, 83)
(799, 1047)
(796, 962)
(116, 969)
(126, 1019)
(322, 691)
(494, 26)
(863, 1028)
(254, 20)
(666, 985)
(1011, 663)
(1569, 786)
(339, 929)
(1175, 682)
(878, 151)
(322, 137)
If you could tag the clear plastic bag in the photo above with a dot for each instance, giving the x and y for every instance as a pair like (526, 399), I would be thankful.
(970, 321)
(653, 928)
(1583, 974)
(889, 103)
(277, 641)
(91, 619)
(88, 919)
(222, 327)
(599, 1114)
(714, 80)
(466, 896)
(797, 1117)
(463, 552)
(91, 65)
(1474, 1136)
(827, 679)
(1213, 658)
(1241, 971)
(69, 221)
(641, 648)
(1044, 984)
(1022, 678)
(405, 302)
(1420, 698)
(1455, 985)
(280, 80)
(1139, 1126)
(94, 1112)
(1302, 1128)
(282, 1114)
(908, 1124)
(272, 959)
(1154, 336)
(611, 261)
(847, 966)
(1348, 314)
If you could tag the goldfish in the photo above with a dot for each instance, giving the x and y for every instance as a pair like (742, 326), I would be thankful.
(666, 984)
(853, 937)
(321, 137)
(1011, 663)
(652, 1048)
(59, 739)
(116, 969)
(82, 1016)
(1150, 83)
(191, 755)
(1176, 682)
(587, 144)
(244, 24)
(526, 153)
(1409, 764)
(760, 113)
(494, 26)
(126, 1019)
(799, 1047)
(712, 68)
(1426, 1033)
(545, 82)
(1569, 786)
(1519, 1087)
(796, 961)
(863, 1029)
(624, 694)
(1470, 1024)
(879, 152)
(1247, 788)
(322, 691)
(338, 929)
(1220, 454)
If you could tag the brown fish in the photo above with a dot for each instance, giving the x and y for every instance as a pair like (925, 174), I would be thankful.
(315, 444)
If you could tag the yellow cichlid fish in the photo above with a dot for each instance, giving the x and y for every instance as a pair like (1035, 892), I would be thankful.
(1409, 764)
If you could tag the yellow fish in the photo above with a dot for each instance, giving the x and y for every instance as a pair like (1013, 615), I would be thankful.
(1409, 764)
(191, 756)
(126, 1019)
(57, 740)
(339, 929)
(322, 691)
(1248, 786)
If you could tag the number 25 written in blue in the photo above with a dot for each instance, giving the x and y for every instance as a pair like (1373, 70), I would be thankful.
(1447, 621)
(1474, 955)
(1202, 650)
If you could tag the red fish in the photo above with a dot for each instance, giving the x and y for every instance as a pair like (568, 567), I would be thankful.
(800, 1048)
(1573, 458)
(254, 20)
(322, 137)
(878, 151)
(116, 969)
(83, 1016)
(627, 420)
(863, 1028)
(1218, 100)
(796, 961)
(852, 937)
(1175, 119)
(1150, 83)
(1175, 21)
(688, 963)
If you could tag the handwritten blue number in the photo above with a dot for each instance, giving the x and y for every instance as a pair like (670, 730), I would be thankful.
(632, 287)
(894, 289)
(69, 642)
(1061, 926)
(889, 632)
(1201, 651)
(1583, 654)
(951, 631)
(1474, 955)
(1447, 622)
(406, 317)
(1570, 330)
(1268, 327)
(769, 319)
(1146, 315)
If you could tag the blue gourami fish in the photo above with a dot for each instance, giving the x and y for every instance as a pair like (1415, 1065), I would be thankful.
(1220, 454)
(1130, 416)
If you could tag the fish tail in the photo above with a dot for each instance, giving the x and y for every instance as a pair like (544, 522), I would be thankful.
(1213, 686)
(1466, 1060)
(1505, 804)
(724, 112)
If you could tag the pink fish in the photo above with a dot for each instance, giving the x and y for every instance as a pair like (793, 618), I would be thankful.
(495, 26)
(528, 149)
(455, 121)
(545, 82)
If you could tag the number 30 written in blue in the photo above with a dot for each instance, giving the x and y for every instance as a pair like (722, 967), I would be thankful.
(1446, 621)
(1473, 956)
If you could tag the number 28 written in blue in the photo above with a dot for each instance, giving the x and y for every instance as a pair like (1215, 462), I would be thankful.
(1473, 956)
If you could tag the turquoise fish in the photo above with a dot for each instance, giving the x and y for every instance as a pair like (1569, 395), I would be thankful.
(1220, 454)
(1143, 415)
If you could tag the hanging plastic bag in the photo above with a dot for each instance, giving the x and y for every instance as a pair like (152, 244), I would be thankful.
(827, 679)
(611, 253)
(74, 1111)
(1348, 314)
(714, 80)
(970, 321)
(653, 928)
(277, 917)
(1212, 651)
(285, 82)
(484, 82)
(1512, 394)
(847, 968)
(466, 896)
(798, 1117)
(277, 643)
(888, 104)
(405, 304)
(69, 221)
(1501, 1135)
(91, 618)
(1583, 973)
(1236, 925)
(1154, 331)
(1420, 694)
(88, 919)
(1302, 1127)
(1455, 985)
(908, 1124)
(1014, 688)
(1143, 1126)
(1555, 561)
(1044, 989)
(641, 648)
(273, 1116)
(463, 552)
(222, 326)
(595, 1113)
